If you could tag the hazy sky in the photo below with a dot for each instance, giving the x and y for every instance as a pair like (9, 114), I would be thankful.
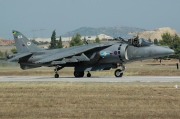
(68, 15)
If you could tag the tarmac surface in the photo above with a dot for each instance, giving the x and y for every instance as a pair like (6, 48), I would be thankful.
(91, 79)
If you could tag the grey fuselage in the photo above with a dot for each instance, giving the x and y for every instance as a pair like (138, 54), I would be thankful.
(100, 57)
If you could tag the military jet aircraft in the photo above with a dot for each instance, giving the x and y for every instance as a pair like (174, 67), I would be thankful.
(86, 58)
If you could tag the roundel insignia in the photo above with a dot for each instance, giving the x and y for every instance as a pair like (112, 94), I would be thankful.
(28, 43)
(115, 52)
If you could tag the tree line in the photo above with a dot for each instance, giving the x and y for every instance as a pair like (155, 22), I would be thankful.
(55, 43)
(75, 41)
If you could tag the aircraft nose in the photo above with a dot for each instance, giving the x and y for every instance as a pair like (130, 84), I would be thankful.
(165, 51)
(171, 51)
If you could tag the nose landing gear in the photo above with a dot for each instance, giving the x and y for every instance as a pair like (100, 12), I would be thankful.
(119, 72)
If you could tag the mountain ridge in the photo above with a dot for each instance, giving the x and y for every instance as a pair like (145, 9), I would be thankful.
(115, 31)
(122, 31)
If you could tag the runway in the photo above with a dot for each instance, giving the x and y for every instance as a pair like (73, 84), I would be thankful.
(91, 79)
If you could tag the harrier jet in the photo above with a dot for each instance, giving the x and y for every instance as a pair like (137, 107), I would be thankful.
(88, 57)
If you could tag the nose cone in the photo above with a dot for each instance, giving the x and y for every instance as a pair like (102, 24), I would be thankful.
(170, 51)
(163, 51)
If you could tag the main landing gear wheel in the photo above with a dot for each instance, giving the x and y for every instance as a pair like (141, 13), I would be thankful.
(118, 73)
(78, 74)
(88, 74)
(56, 75)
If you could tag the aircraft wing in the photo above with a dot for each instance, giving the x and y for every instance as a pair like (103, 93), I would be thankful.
(71, 53)
(18, 55)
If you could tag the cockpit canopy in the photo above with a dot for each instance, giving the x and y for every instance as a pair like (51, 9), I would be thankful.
(137, 42)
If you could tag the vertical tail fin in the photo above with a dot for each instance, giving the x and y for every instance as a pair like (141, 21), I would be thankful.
(23, 44)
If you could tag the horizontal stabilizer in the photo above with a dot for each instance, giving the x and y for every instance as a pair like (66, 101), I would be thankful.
(19, 55)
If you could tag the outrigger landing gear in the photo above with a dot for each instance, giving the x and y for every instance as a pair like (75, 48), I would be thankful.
(88, 74)
(119, 72)
(56, 75)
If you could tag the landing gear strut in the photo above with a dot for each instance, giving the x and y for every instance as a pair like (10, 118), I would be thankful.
(56, 75)
(119, 72)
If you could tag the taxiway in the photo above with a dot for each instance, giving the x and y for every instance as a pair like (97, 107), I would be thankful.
(92, 79)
